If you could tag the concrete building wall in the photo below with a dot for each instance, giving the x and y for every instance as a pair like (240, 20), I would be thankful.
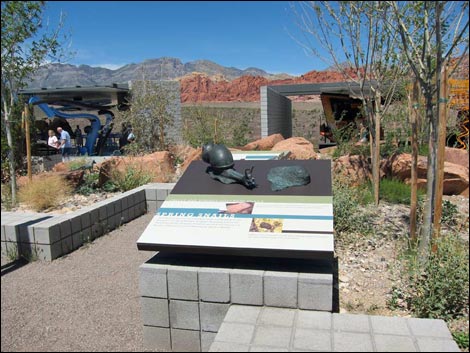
(276, 113)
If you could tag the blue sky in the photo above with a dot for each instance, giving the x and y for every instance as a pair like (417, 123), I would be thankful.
(241, 34)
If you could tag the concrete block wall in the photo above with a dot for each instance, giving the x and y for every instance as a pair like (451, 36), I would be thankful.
(185, 298)
(48, 237)
(276, 113)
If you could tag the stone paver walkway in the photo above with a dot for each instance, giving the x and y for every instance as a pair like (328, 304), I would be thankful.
(258, 329)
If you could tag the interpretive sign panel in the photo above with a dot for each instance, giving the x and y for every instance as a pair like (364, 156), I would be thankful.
(206, 216)
(259, 155)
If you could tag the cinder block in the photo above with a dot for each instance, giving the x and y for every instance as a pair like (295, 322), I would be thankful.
(77, 240)
(85, 235)
(117, 206)
(124, 216)
(182, 283)
(65, 228)
(157, 338)
(96, 231)
(162, 194)
(185, 341)
(352, 342)
(67, 245)
(214, 285)
(155, 312)
(49, 252)
(117, 220)
(207, 338)
(351, 322)
(103, 212)
(124, 203)
(47, 234)
(246, 287)
(11, 233)
(153, 281)
(315, 291)
(94, 216)
(280, 289)
(3, 233)
(312, 340)
(150, 194)
(139, 196)
(109, 209)
(159, 204)
(85, 219)
(184, 315)
(212, 315)
(76, 224)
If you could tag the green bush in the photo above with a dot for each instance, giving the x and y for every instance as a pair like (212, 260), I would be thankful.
(439, 287)
(396, 191)
(462, 339)
(131, 178)
(346, 209)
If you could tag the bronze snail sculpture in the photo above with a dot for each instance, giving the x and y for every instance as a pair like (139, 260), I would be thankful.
(221, 166)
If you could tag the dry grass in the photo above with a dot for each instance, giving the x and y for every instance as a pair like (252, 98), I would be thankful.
(43, 193)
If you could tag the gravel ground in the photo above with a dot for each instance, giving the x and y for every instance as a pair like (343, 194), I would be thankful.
(86, 301)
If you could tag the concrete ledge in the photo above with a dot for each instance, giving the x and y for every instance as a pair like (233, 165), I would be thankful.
(47, 237)
(291, 330)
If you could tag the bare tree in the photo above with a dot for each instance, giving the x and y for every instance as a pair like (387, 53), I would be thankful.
(354, 38)
(431, 34)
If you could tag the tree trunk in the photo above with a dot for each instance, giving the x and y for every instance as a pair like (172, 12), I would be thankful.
(11, 160)
(376, 158)
(428, 217)
(413, 109)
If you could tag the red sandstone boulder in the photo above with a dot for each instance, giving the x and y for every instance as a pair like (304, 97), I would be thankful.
(264, 144)
(355, 170)
(456, 177)
(194, 156)
(298, 147)
(456, 156)
(159, 165)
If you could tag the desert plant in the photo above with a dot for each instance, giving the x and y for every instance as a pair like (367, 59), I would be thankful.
(47, 191)
(346, 209)
(396, 191)
(461, 338)
(439, 287)
(132, 177)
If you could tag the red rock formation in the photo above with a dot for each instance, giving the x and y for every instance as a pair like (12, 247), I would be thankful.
(264, 144)
(201, 88)
(298, 147)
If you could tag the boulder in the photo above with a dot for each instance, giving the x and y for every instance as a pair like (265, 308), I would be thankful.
(456, 176)
(264, 144)
(298, 147)
(456, 156)
(354, 169)
(194, 156)
(159, 165)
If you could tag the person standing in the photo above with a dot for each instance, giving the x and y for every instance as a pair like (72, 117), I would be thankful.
(78, 139)
(65, 144)
(52, 140)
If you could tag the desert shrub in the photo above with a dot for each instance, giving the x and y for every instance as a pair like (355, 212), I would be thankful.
(461, 338)
(44, 192)
(77, 163)
(348, 216)
(439, 287)
(89, 184)
(132, 177)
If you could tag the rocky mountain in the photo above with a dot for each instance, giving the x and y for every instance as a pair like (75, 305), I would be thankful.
(165, 68)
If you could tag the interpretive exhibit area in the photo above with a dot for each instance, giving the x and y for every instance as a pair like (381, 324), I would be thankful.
(222, 244)
(203, 215)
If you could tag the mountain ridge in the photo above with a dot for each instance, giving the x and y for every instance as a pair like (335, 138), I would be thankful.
(164, 68)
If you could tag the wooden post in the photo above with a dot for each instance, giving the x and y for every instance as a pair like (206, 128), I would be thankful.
(441, 144)
(28, 141)
(413, 109)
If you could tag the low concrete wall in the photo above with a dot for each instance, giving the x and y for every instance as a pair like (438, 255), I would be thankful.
(48, 237)
(184, 298)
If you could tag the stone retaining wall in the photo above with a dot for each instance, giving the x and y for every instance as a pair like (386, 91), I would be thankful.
(48, 237)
